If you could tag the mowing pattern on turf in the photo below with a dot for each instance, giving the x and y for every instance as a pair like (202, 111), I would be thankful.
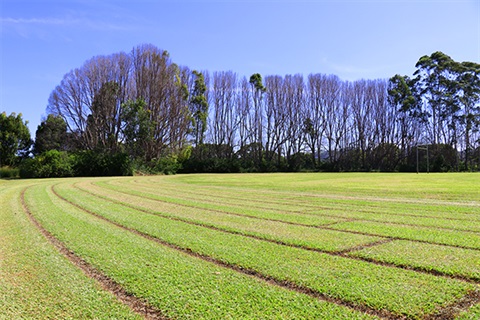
(232, 247)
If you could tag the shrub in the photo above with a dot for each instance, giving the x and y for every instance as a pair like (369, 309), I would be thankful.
(167, 165)
(8, 172)
(90, 163)
(49, 164)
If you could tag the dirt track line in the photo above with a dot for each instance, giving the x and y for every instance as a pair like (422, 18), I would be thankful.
(341, 253)
(326, 226)
(383, 314)
(363, 246)
(406, 225)
(137, 305)
(451, 311)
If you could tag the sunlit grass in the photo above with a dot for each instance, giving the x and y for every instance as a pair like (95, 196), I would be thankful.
(181, 285)
(406, 244)
(448, 260)
(36, 282)
(450, 186)
(267, 229)
(398, 290)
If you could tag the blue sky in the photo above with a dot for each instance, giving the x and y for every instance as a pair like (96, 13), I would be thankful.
(42, 40)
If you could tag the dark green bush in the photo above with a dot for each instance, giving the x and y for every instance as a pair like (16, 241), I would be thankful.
(167, 165)
(49, 164)
(54, 163)
(90, 163)
(9, 173)
(211, 158)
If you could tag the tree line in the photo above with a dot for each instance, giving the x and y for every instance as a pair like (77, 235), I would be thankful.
(140, 111)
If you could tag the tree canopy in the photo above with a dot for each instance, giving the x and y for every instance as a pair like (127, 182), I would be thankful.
(142, 109)
(51, 134)
(15, 140)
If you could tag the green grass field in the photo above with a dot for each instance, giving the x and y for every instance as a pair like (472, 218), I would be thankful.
(242, 246)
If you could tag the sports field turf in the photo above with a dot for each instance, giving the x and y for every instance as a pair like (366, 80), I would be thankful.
(242, 246)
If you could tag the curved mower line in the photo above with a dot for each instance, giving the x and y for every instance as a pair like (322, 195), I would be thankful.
(384, 314)
(139, 306)
(341, 253)
(447, 312)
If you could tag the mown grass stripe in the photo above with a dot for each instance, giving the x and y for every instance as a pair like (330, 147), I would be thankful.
(286, 185)
(173, 197)
(225, 228)
(184, 286)
(36, 281)
(233, 202)
(347, 253)
(417, 237)
(150, 223)
(449, 238)
(447, 260)
(385, 314)
(246, 197)
(139, 306)
(123, 256)
(462, 190)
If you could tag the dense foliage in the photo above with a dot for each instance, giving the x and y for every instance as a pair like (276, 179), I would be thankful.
(51, 134)
(15, 139)
(164, 118)
(87, 163)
